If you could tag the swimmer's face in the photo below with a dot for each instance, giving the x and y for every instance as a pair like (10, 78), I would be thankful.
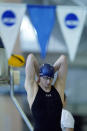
(46, 81)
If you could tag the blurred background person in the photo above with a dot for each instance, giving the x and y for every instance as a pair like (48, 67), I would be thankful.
(67, 119)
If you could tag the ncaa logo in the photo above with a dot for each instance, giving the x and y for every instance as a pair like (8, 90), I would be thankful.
(9, 18)
(71, 21)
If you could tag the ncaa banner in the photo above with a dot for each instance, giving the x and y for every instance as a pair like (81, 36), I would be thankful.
(42, 18)
(10, 20)
(71, 19)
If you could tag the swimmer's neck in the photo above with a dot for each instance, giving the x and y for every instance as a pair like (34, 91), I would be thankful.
(46, 89)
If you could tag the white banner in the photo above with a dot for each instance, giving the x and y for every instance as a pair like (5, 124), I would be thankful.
(10, 20)
(71, 19)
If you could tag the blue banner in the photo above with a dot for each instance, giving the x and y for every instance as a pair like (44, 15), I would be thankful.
(42, 18)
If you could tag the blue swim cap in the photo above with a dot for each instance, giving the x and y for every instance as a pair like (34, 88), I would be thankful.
(47, 70)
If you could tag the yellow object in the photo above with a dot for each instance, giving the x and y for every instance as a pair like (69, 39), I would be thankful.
(16, 61)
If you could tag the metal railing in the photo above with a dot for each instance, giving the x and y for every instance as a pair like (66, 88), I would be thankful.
(23, 115)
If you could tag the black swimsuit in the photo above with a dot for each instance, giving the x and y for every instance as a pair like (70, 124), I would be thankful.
(46, 110)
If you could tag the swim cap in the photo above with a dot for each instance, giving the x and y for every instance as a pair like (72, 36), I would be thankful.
(47, 70)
